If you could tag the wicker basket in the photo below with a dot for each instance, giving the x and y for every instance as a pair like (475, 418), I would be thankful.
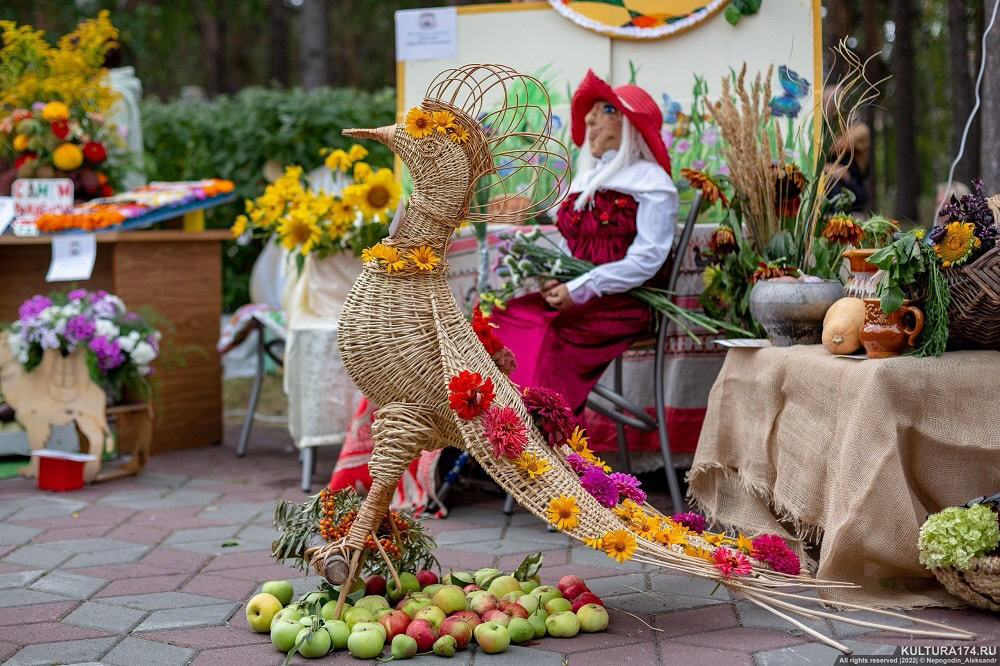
(974, 311)
(978, 585)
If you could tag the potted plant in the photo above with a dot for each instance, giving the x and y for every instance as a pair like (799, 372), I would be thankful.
(877, 232)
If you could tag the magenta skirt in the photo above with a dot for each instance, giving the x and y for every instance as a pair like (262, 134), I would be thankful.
(568, 350)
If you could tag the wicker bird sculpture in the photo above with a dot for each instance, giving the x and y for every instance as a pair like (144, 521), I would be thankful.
(404, 340)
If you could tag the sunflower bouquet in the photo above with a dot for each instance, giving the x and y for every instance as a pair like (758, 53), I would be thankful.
(317, 222)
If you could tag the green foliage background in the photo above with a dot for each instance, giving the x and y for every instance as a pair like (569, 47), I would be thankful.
(234, 136)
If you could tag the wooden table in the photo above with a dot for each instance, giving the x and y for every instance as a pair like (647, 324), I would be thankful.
(176, 273)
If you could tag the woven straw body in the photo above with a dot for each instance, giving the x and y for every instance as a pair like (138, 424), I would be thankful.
(977, 585)
(974, 311)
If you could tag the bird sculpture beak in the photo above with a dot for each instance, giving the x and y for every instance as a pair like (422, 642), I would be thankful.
(381, 134)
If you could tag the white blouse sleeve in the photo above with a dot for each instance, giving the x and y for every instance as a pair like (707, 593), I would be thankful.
(656, 219)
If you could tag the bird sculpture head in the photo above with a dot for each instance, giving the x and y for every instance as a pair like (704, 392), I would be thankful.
(470, 141)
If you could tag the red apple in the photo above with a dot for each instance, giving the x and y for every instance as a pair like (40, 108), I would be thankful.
(468, 617)
(567, 581)
(426, 577)
(584, 599)
(395, 622)
(459, 629)
(375, 585)
(504, 605)
(423, 633)
(497, 616)
(483, 604)
(517, 610)
(574, 590)
(471, 588)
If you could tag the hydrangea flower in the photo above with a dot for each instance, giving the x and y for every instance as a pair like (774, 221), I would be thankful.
(955, 536)
(109, 354)
(33, 307)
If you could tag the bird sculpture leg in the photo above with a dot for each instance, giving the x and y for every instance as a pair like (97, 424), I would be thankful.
(401, 431)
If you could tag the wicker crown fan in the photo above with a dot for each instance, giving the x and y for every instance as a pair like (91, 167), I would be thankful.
(402, 336)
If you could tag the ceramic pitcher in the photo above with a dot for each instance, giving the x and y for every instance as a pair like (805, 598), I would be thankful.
(888, 335)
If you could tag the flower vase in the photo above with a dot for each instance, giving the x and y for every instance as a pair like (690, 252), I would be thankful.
(861, 283)
(885, 335)
(792, 312)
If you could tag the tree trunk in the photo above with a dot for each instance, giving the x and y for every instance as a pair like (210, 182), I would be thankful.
(873, 41)
(212, 53)
(961, 85)
(277, 43)
(990, 111)
(837, 27)
(907, 174)
(313, 43)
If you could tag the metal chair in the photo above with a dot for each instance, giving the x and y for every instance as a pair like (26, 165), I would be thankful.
(625, 412)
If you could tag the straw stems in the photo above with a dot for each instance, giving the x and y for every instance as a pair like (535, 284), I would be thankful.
(385, 556)
(755, 599)
(345, 587)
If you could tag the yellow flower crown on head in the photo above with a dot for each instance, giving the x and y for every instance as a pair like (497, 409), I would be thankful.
(420, 124)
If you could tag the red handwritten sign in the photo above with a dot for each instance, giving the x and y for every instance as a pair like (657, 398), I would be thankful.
(34, 196)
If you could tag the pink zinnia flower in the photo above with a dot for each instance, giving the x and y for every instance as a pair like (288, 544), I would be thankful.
(578, 464)
(504, 431)
(693, 521)
(602, 488)
(731, 562)
(551, 413)
(628, 486)
(774, 552)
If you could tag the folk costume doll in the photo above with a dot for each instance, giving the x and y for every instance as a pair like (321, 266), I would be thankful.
(620, 214)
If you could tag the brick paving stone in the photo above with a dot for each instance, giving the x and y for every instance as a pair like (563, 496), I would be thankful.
(176, 499)
(261, 653)
(162, 479)
(220, 587)
(46, 511)
(500, 547)
(15, 535)
(143, 534)
(223, 547)
(237, 513)
(519, 656)
(204, 638)
(81, 532)
(201, 534)
(37, 613)
(815, 653)
(63, 652)
(552, 558)
(7, 650)
(128, 586)
(259, 534)
(121, 571)
(591, 558)
(270, 572)
(69, 584)
(617, 585)
(540, 535)
(845, 630)
(239, 561)
(178, 618)
(38, 556)
(22, 597)
(551, 575)
(460, 560)
(97, 545)
(435, 527)
(173, 560)
(638, 653)
(106, 617)
(98, 558)
(742, 639)
(696, 621)
(654, 604)
(47, 632)
(678, 653)
(693, 587)
(161, 600)
(133, 651)
(19, 578)
(752, 615)
(464, 538)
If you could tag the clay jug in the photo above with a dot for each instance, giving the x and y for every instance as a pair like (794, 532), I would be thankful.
(887, 335)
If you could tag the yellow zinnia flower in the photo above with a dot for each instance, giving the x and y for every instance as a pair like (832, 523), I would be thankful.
(379, 194)
(55, 111)
(20, 143)
(578, 440)
(671, 534)
(443, 121)
(239, 226)
(563, 512)
(531, 464)
(418, 123)
(698, 551)
(423, 257)
(357, 152)
(298, 229)
(338, 160)
(67, 157)
(746, 545)
(958, 243)
(594, 542)
(619, 545)
(391, 259)
(459, 134)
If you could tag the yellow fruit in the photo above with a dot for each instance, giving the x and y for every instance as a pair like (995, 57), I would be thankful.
(842, 326)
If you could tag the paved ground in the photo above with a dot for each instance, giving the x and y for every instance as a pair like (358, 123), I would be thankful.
(155, 570)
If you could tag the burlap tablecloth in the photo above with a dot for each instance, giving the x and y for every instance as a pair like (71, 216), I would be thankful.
(854, 454)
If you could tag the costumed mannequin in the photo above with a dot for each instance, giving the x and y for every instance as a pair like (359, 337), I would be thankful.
(620, 214)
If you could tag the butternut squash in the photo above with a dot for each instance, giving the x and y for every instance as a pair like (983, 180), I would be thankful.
(842, 326)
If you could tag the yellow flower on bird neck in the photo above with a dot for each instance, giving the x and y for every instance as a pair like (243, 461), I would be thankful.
(423, 258)
(391, 259)
(418, 123)
(373, 253)
(531, 464)
(563, 512)
(958, 243)
(443, 121)
(459, 134)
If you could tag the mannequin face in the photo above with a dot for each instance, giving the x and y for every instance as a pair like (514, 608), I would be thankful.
(604, 128)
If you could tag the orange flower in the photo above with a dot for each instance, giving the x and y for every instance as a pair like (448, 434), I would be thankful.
(767, 271)
(723, 241)
(710, 190)
(788, 190)
(843, 230)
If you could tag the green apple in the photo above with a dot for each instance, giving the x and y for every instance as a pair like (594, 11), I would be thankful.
(329, 607)
(563, 624)
(513, 596)
(492, 637)
(281, 589)
(372, 603)
(403, 646)
(528, 585)
(432, 588)
(356, 615)
(557, 605)
(313, 597)
(366, 643)
(445, 646)
(317, 642)
(537, 620)
(504, 585)
(290, 612)
(415, 604)
(483, 574)
(261, 610)
(449, 598)
(592, 618)
(528, 602)
(460, 578)
(283, 634)
(520, 630)
(408, 581)
(363, 626)
(545, 593)
(339, 631)
(434, 615)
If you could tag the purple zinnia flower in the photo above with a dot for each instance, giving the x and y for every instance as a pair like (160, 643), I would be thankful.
(628, 486)
(77, 295)
(578, 464)
(79, 328)
(550, 412)
(693, 521)
(33, 306)
(602, 488)
(109, 354)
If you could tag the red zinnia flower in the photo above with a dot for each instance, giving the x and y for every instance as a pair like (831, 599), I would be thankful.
(60, 128)
(504, 431)
(470, 394)
(731, 562)
(484, 331)
(24, 159)
(94, 152)
(107, 190)
(773, 551)
(551, 413)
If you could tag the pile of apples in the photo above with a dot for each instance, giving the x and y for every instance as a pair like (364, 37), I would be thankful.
(428, 615)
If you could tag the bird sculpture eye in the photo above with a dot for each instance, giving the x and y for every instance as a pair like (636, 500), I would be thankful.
(431, 149)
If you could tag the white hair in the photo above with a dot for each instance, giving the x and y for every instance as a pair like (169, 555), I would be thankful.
(632, 148)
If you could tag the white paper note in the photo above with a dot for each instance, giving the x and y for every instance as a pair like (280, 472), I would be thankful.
(73, 257)
(6, 212)
(427, 34)
(743, 343)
